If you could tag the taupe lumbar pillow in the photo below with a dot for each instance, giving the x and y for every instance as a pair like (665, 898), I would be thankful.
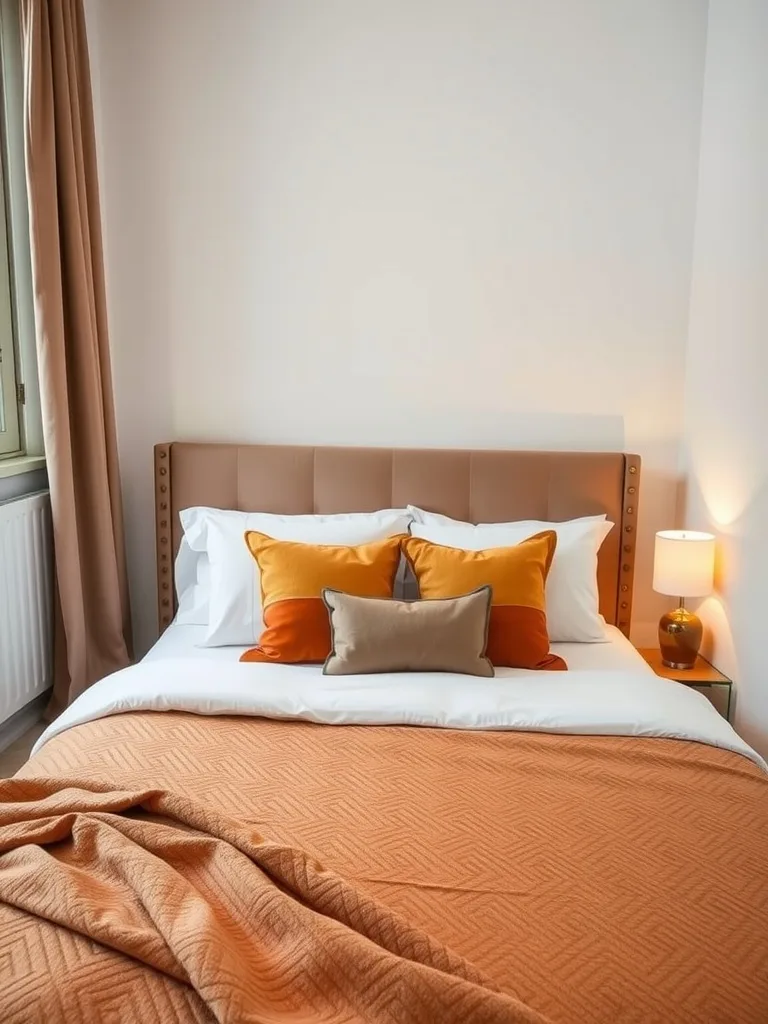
(371, 634)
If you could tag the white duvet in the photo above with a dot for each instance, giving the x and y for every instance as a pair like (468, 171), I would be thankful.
(579, 702)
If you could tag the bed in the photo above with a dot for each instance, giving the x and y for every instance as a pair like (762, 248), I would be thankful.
(592, 843)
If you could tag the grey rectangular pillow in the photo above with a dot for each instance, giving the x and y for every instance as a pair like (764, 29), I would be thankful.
(371, 634)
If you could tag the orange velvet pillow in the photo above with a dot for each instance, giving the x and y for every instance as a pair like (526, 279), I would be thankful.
(293, 577)
(517, 633)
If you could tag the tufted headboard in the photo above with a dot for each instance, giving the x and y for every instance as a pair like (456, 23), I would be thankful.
(476, 486)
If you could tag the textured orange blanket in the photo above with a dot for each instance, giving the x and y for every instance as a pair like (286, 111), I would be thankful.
(257, 929)
(596, 879)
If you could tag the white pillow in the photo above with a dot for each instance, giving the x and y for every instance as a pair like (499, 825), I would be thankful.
(192, 574)
(234, 607)
(573, 614)
(192, 570)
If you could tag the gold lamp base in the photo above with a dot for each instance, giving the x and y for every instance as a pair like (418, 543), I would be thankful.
(680, 635)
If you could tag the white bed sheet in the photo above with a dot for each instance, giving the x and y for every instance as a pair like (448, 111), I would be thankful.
(615, 655)
(596, 701)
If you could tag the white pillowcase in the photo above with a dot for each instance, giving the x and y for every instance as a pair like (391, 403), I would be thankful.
(192, 570)
(573, 614)
(192, 574)
(234, 604)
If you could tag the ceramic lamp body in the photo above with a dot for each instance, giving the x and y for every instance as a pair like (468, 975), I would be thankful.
(680, 634)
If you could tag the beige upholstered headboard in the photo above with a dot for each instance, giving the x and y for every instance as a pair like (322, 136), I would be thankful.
(476, 486)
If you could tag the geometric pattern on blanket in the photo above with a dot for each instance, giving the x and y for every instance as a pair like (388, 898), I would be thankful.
(592, 878)
(258, 930)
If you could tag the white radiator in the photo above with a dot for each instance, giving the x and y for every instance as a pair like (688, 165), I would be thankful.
(26, 601)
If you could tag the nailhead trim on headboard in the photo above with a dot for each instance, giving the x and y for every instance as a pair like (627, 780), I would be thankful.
(166, 592)
(628, 541)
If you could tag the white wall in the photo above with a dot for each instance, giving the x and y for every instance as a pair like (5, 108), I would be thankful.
(726, 410)
(405, 222)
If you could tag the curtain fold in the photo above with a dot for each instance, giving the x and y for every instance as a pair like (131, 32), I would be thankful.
(92, 633)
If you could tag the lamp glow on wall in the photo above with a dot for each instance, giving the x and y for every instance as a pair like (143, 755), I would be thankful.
(683, 566)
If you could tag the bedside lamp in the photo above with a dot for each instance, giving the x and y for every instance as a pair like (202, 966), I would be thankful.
(683, 565)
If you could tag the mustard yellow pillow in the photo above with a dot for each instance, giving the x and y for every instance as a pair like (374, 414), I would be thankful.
(517, 633)
(293, 577)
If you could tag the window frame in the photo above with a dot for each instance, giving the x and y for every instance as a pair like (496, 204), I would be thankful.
(22, 385)
(11, 433)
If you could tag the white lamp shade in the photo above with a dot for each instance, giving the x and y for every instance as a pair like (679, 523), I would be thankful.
(684, 563)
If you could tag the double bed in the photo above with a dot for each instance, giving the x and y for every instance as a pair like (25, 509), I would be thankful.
(592, 842)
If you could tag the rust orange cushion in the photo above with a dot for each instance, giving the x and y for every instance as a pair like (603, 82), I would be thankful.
(293, 577)
(517, 633)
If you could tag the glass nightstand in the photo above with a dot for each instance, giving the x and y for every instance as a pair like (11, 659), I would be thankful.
(703, 676)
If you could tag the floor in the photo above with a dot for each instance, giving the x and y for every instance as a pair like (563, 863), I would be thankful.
(14, 756)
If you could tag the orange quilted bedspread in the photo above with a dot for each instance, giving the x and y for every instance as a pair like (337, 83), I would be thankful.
(255, 929)
(593, 879)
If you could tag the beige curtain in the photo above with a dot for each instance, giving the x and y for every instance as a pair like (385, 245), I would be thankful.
(93, 619)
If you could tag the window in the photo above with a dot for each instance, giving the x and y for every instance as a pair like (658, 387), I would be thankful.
(10, 392)
(20, 420)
